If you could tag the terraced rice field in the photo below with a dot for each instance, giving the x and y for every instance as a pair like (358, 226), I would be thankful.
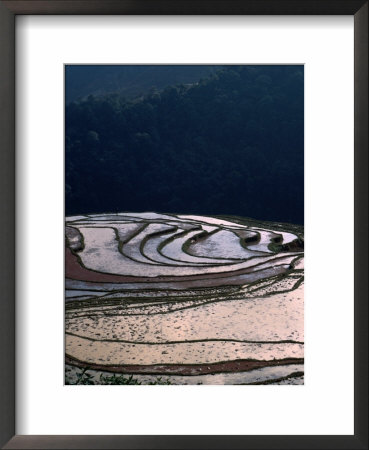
(191, 299)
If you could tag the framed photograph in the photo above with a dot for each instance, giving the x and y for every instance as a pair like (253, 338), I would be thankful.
(166, 170)
(156, 292)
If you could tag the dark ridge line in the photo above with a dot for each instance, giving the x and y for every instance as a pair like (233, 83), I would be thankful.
(271, 362)
(101, 217)
(141, 227)
(104, 223)
(191, 277)
(174, 228)
(294, 287)
(240, 223)
(243, 242)
(201, 231)
(274, 380)
(271, 241)
(174, 232)
(121, 244)
(187, 249)
(237, 297)
(293, 262)
(202, 222)
(266, 285)
(154, 279)
(173, 298)
(179, 235)
(245, 245)
(145, 240)
(204, 301)
(185, 369)
(187, 278)
(244, 222)
(283, 226)
(186, 246)
(235, 292)
(203, 289)
(266, 230)
(106, 313)
(182, 263)
(145, 299)
(148, 264)
(194, 341)
(121, 250)
(270, 381)
(153, 289)
(170, 296)
(167, 299)
(146, 290)
(140, 218)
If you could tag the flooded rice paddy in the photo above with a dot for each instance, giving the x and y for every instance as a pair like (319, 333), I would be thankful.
(185, 299)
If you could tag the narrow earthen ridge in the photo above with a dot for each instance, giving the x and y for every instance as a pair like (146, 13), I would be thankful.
(75, 271)
(185, 369)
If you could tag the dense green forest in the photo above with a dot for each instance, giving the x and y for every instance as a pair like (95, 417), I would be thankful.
(231, 143)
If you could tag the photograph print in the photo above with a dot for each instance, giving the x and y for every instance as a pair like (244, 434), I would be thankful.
(184, 224)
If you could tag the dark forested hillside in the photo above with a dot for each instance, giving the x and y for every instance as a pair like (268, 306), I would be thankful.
(231, 144)
(129, 81)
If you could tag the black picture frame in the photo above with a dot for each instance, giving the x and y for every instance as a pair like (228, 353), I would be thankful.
(8, 11)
